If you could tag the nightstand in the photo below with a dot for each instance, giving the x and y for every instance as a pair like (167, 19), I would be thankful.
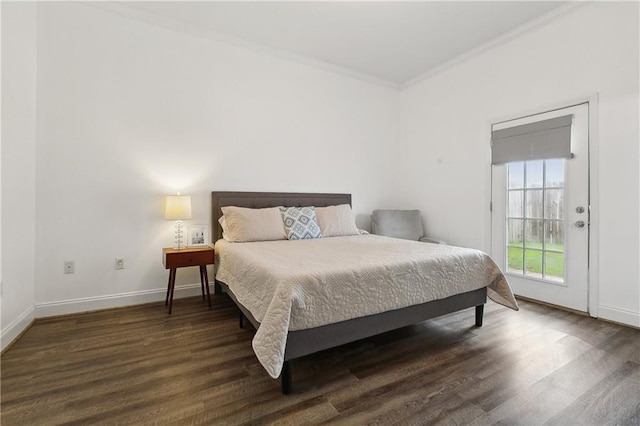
(173, 259)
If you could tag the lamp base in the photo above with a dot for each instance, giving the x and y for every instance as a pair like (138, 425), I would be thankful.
(178, 238)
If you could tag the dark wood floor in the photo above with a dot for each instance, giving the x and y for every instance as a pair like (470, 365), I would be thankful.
(139, 365)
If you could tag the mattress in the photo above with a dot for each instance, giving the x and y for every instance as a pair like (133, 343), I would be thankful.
(295, 285)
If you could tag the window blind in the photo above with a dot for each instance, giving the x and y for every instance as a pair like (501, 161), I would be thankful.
(533, 141)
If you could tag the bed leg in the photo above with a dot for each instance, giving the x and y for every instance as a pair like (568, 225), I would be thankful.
(217, 288)
(241, 318)
(479, 312)
(286, 378)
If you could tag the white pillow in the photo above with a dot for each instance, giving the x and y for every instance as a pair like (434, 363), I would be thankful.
(336, 221)
(223, 225)
(243, 225)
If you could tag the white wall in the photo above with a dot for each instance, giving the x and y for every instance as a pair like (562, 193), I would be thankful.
(129, 112)
(18, 167)
(447, 118)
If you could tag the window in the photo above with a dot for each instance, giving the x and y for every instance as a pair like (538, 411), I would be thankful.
(535, 212)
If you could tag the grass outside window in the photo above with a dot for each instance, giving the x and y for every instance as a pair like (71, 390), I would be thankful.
(554, 258)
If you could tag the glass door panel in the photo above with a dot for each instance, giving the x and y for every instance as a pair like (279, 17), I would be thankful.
(535, 203)
(533, 262)
(515, 178)
(534, 174)
(516, 203)
(554, 203)
(535, 208)
(554, 174)
(516, 260)
(554, 266)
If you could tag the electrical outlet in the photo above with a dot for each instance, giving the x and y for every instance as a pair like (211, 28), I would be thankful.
(69, 267)
(119, 262)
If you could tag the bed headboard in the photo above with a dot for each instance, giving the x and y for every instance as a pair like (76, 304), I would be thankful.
(258, 200)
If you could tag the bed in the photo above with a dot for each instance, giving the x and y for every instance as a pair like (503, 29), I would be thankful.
(298, 313)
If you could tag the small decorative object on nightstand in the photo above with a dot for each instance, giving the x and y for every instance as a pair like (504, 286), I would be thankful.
(173, 259)
(178, 208)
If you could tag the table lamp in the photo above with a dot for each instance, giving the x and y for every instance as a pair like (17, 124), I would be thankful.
(178, 208)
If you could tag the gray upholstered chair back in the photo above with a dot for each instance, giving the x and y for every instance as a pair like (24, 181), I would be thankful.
(405, 224)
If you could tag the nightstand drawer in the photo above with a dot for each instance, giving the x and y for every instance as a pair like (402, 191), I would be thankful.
(190, 257)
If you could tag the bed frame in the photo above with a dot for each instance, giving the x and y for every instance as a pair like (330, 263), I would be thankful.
(305, 342)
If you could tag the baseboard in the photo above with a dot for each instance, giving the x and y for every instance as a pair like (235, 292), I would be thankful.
(18, 326)
(606, 313)
(551, 305)
(86, 304)
(618, 315)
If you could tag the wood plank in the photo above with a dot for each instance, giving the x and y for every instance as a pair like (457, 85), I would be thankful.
(138, 365)
(606, 402)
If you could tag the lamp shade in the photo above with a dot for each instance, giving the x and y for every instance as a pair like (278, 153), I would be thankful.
(177, 207)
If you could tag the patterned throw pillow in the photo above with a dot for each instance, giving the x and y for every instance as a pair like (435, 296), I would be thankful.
(300, 223)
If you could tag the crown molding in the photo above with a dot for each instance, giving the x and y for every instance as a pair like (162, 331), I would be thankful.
(526, 28)
(131, 12)
(127, 11)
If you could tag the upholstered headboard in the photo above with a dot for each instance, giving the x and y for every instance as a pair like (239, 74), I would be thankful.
(258, 200)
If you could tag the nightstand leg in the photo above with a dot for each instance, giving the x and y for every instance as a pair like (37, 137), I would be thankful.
(166, 299)
(202, 270)
(204, 278)
(172, 286)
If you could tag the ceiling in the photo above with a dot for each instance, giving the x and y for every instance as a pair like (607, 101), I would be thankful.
(389, 41)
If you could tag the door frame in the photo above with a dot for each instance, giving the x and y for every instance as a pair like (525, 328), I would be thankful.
(593, 188)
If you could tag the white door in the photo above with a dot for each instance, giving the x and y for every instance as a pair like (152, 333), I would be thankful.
(540, 219)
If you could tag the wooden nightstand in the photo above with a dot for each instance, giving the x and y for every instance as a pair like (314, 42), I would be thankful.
(173, 259)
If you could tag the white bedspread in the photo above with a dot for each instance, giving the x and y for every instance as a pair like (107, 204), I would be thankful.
(294, 285)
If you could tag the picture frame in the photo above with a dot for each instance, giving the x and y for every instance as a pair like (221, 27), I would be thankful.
(198, 235)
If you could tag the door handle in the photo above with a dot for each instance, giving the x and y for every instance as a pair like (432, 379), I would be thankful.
(579, 224)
